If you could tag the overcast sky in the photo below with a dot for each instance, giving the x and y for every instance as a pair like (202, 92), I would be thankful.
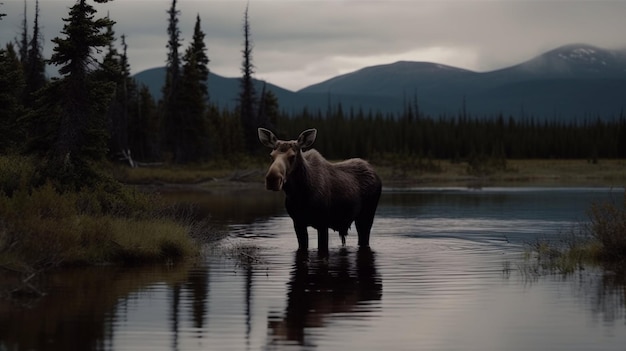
(300, 42)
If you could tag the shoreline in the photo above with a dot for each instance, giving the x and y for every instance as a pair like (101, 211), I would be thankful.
(518, 173)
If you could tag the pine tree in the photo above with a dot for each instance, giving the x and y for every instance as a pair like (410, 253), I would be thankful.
(170, 105)
(268, 109)
(11, 86)
(144, 127)
(31, 57)
(23, 42)
(71, 120)
(247, 94)
(114, 69)
(34, 65)
(198, 49)
(191, 138)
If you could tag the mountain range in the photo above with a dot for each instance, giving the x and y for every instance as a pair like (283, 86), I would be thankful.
(570, 82)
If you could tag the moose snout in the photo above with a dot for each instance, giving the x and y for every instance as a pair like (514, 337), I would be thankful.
(274, 182)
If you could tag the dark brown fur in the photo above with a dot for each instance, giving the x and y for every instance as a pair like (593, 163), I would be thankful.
(322, 194)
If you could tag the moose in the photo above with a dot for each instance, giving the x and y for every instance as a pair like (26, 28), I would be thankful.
(321, 194)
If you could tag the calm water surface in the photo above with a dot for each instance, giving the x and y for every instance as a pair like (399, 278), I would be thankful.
(445, 272)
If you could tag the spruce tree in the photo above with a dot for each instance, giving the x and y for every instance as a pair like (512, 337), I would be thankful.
(268, 108)
(34, 64)
(115, 71)
(11, 87)
(144, 127)
(247, 94)
(191, 139)
(31, 57)
(199, 51)
(22, 44)
(170, 105)
(71, 120)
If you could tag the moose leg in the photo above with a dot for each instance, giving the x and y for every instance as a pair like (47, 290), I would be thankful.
(365, 219)
(303, 237)
(363, 226)
(342, 235)
(322, 240)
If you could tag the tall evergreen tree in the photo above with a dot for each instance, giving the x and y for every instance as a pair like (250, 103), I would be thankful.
(173, 58)
(268, 108)
(191, 137)
(11, 86)
(247, 94)
(114, 69)
(72, 116)
(34, 64)
(23, 42)
(170, 101)
(144, 127)
(198, 50)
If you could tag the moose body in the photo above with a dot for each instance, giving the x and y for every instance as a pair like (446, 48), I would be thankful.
(321, 194)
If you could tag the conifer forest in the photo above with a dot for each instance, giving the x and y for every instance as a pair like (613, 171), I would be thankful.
(94, 110)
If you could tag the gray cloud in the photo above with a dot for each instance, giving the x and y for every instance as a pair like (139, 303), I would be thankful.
(297, 43)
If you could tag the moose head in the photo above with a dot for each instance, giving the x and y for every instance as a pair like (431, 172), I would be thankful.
(286, 154)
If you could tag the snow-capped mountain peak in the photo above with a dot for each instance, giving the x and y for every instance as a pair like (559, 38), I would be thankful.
(577, 59)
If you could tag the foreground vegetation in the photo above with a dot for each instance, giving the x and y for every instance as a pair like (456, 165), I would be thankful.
(45, 226)
(599, 242)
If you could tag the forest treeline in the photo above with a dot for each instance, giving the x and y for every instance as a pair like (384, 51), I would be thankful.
(458, 138)
(95, 110)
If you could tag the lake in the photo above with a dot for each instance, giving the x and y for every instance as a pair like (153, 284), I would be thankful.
(445, 271)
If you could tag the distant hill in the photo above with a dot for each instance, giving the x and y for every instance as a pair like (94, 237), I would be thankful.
(573, 81)
(222, 91)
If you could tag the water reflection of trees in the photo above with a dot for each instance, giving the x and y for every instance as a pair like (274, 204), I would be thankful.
(319, 288)
(83, 305)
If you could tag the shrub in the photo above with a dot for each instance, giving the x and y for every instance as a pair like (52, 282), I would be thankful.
(600, 241)
(15, 172)
(608, 226)
(36, 226)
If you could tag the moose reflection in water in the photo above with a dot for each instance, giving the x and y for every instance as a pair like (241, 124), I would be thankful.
(319, 288)
(321, 194)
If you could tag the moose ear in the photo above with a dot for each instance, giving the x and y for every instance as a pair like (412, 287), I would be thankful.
(307, 138)
(267, 138)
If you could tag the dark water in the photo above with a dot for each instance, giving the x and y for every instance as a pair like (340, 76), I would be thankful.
(445, 272)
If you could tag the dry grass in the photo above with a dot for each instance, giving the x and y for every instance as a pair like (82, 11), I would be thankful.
(518, 172)
(168, 174)
(191, 173)
(42, 227)
(582, 172)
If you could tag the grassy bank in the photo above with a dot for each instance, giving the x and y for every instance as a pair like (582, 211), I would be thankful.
(43, 227)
